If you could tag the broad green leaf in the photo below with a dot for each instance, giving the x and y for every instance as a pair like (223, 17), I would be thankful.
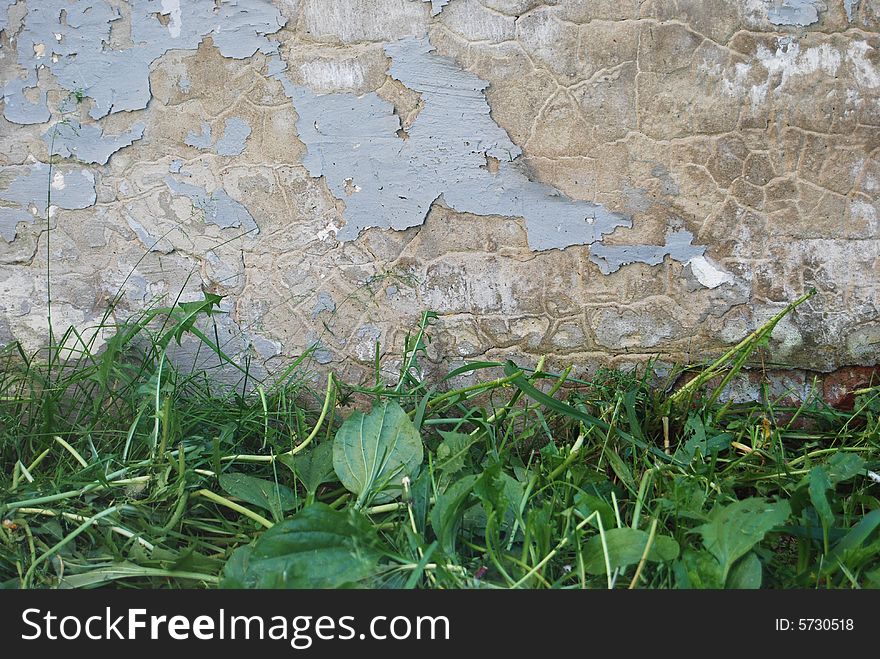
(586, 504)
(313, 467)
(317, 548)
(372, 453)
(860, 532)
(840, 468)
(625, 547)
(819, 485)
(273, 497)
(497, 491)
(843, 466)
(448, 510)
(734, 529)
(698, 569)
(746, 573)
(698, 442)
(620, 468)
(452, 454)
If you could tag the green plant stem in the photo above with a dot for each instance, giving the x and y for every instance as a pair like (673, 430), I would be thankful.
(64, 541)
(559, 546)
(328, 397)
(223, 501)
(644, 559)
(715, 367)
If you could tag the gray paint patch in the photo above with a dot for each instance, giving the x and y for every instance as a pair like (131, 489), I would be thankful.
(25, 197)
(18, 109)
(4, 9)
(794, 12)
(324, 302)
(175, 166)
(153, 244)
(235, 134)
(232, 143)
(219, 207)
(437, 6)
(678, 247)
(118, 80)
(202, 140)
(88, 143)
(851, 7)
(390, 182)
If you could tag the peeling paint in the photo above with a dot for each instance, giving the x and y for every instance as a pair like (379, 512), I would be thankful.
(25, 197)
(219, 208)
(235, 134)
(202, 139)
(4, 9)
(437, 6)
(794, 12)
(18, 109)
(851, 7)
(708, 274)
(232, 143)
(678, 247)
(70, 139)
(353, 143)
(118, 80)
(867, 75)
(171, 8)
(153, 244)
(324, 302)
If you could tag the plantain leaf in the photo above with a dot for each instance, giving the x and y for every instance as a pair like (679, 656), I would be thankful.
(734, 529)
(317, 548)
(273, 497)
(372, 453)
(313, 467)
(625, 547)
(820, 483)
(746, 573)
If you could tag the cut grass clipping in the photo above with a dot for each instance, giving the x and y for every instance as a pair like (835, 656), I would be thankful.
(120, 468)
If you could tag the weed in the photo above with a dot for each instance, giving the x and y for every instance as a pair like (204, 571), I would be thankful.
(120, 466)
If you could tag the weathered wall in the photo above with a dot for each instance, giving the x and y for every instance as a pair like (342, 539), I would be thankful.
(595, 180)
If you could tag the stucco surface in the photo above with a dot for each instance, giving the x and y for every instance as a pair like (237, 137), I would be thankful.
(593, 180)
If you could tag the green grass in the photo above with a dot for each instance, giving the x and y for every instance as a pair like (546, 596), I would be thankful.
(119, 468)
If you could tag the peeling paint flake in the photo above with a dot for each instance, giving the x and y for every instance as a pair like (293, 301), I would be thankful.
(354, 139)
(708, 274)
(324, 302)
(219, 208)
(851, 7)
(70, 139)
(235, 134)
(4, 16)
(153, 244)
(794, 12)
(118, 80)
(437, 6)
(200, 140)
(678, 247)
(232, 143)
(24, 199)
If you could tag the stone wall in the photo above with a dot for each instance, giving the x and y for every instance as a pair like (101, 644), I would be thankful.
(594, 180)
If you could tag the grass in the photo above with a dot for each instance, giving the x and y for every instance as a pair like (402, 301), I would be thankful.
(117, 467)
